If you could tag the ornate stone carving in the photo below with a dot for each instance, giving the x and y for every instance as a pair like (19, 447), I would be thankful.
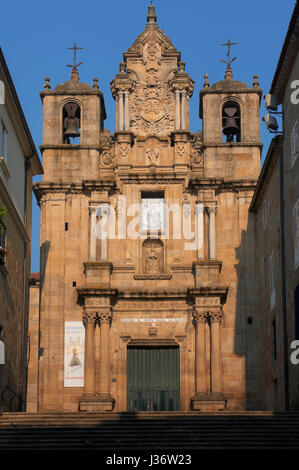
(180, 149)
(216, 316)
(89, 316)
(105, 317)
(151, 78)
(196, 157)
(107, 154)
(152, 109)
(107, 158)
(200, 317)
(152, 52)
(152, 277)
(152, 155)
(153, 331)
(154, 31)
(124, 148)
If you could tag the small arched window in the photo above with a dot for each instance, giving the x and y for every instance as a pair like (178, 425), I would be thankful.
(231, 122)
(71, 117)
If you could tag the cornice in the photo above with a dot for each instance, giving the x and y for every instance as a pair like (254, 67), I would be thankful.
(221, 186)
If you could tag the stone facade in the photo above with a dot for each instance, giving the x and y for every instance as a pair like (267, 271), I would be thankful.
(152, 290)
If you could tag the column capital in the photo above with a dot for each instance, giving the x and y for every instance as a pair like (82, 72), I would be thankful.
(211, 209)
(104, 317)
(89, 316)
(216, 316)
(200, 316)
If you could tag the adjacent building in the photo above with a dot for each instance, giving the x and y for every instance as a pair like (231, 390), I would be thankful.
(19, 162)
(276, 208)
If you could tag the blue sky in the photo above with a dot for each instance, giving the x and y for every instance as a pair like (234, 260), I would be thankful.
(34, 37)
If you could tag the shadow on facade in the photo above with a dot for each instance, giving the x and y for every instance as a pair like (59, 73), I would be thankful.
(246, 340)
(44, 253)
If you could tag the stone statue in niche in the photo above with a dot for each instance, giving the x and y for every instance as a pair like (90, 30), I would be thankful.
(153, 256)
(152, 262)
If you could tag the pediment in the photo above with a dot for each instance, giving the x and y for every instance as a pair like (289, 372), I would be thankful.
(151, 34)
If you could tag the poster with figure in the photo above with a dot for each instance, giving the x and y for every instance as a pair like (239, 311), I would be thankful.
(74, 339)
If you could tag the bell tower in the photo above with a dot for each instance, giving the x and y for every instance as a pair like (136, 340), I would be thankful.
(73, 116)
(231, 127)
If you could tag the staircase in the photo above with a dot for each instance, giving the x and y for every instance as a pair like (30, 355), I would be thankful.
(149, 431)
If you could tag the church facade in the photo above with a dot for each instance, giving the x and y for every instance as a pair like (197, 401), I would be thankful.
(147, 283)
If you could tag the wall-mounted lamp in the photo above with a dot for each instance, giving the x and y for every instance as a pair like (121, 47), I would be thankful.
(271, 104)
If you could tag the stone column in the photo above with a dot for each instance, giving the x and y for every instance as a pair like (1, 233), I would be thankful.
(216, 373)
(120, 111)
(177, 110)
(92, 235)
(104, 241)
(200, 352)
(103, 211)
(89, 320)
(212, 232)
(183, 115)
(105, 321)
(127, 111)
(200, 230)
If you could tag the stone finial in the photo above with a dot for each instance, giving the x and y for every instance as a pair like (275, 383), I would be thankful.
(122, 67)
(229, 73)
(206, 83)
(95, 83)
(255, 83)
(47, 83)
(182, 66)
(151, 14)
(75, 74)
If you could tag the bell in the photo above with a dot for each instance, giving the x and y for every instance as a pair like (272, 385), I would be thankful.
(71, 121)
(230, 128)
(71, 127)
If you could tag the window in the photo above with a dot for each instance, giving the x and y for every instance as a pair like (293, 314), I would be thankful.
(3, 141)
(265, 211)
(271, 280)
(152, 211)
(296, 233)
(294, 143)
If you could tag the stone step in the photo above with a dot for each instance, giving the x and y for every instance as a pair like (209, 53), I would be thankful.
(105, 431)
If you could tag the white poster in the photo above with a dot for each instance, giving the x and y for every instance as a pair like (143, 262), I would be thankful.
(74, 339)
